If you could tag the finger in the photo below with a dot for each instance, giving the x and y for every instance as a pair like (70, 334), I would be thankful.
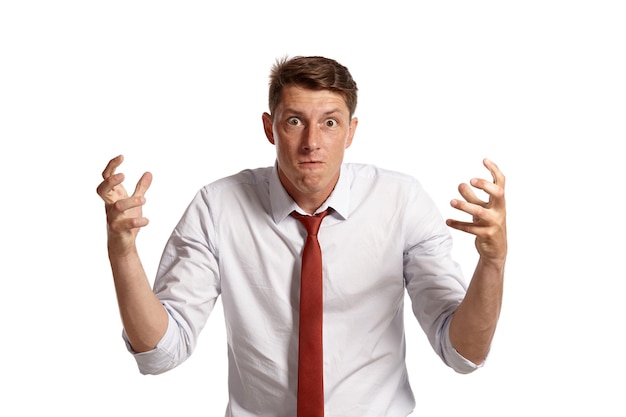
(478, 212)
(143, 184)
(493, 190)
(496, 174)
(112, 166)
(490, 188)
(124, 204)
(468, 194)
(466, 227)
(106, 187)
(127, 224)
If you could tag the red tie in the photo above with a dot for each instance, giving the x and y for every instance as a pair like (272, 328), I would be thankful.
(310, 357)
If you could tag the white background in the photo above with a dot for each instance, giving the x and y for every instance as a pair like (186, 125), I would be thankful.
(179, 88)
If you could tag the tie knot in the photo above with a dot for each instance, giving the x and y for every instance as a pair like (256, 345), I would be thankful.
(311, 223)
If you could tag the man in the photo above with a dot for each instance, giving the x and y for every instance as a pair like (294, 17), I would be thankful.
(241, 238)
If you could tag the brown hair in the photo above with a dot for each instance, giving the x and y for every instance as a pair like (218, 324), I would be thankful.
(313, 72)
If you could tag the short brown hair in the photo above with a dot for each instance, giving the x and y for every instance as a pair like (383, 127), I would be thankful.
(313, 72)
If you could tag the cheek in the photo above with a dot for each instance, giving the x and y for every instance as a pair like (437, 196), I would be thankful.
(341, 145)
(284, 151)
(337, 154)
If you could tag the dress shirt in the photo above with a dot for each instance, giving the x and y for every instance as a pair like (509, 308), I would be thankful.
(237, 240)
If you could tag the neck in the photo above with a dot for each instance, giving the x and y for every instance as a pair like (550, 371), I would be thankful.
(307, 201)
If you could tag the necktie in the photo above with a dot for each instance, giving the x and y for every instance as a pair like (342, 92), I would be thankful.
(310, 357)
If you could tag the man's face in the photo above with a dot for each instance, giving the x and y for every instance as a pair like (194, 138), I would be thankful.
(311, 130)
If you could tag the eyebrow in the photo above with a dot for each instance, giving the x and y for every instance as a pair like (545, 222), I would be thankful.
(298, 113)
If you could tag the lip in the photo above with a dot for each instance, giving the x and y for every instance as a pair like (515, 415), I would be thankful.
(310, 166)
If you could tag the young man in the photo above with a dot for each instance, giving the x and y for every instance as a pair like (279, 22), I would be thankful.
(241, 238)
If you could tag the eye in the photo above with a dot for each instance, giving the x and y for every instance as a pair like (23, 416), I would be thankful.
(293, 121)
(331, 123)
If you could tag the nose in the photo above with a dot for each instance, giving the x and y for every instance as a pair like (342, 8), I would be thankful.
(311, 138)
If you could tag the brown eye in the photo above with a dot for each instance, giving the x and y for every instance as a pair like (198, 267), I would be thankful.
(331, 123)
(293, 121)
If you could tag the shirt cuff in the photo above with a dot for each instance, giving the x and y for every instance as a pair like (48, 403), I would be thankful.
(159, 359)
(459, 363)
(454, 359)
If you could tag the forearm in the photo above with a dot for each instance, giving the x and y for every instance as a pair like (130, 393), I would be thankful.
(143, 316)
(474, 322)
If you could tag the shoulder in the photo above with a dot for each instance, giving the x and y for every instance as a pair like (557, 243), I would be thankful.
(387, 186)
(247, 177)
(359, 172)
(248, 188)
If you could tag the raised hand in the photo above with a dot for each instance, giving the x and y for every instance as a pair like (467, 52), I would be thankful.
(488, 217)
(124, 213)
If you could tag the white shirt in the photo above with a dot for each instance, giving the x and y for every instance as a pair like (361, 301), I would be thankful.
(237, 240)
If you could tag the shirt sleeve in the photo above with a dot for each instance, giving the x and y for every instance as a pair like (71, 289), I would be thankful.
(187, 284)
(453, 358)
(434, 281)
(159, 359)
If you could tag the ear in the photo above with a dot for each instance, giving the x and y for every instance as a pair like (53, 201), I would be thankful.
(268, 127)
(353, 124)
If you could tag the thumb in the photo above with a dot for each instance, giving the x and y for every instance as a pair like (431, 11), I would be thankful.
(143, 184)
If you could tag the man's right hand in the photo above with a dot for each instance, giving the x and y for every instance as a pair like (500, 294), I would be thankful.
(124, 213)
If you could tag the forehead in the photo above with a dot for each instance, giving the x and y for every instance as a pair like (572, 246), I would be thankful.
(297, 98)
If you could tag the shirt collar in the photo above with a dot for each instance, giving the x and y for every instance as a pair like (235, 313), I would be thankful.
(282, 204)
